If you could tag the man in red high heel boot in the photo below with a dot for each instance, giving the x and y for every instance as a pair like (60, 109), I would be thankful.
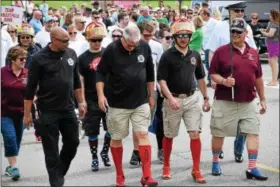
(180, 98)
(126, 67)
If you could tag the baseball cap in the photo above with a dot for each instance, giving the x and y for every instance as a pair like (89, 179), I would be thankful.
(239, 24)
(48, 18)
(237, 5)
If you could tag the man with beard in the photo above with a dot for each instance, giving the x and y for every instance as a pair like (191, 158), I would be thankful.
(54, 70)
(43, 37)
(88, 62)
(180, 98)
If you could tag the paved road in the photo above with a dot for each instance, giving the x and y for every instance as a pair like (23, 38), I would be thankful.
(32, 167)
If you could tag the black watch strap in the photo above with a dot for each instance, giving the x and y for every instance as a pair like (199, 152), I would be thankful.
(206, 98)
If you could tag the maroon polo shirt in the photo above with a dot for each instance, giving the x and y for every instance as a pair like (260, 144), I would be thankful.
(12, 91)
(246, 70)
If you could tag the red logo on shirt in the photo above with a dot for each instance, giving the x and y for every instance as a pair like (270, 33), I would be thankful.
(94, 63)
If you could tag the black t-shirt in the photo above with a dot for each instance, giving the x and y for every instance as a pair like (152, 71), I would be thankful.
(88, 63)
(178, 70)
(128, 74)
(256, 28)
(57, 75)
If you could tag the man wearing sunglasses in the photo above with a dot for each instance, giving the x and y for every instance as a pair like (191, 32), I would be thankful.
(129, 88)
(180, 98)
(218, 39)
(240, 116)
(88, 63)
(54, 70)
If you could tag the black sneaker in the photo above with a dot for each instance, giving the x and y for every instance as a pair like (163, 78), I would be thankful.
(221, 155)
(135, 158)
(160, 156)
(238, 157)
(105, 159)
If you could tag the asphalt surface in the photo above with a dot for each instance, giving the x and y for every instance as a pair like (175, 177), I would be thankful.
(32, 166)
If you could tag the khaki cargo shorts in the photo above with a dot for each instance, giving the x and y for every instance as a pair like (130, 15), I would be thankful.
(228, 118)
(189, 110)
(118, 120)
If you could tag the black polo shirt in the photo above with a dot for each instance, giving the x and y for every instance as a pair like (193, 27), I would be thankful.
(178, 70)
(128, 74)
(88, 62)
(57, 75)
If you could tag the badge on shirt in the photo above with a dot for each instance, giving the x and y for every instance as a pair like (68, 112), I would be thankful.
(70, 61)
(250, 56)
(193, 61)
(24, 80)
(94, 63)
(141, 58)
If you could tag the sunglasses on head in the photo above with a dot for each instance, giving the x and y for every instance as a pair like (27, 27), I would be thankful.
(25, 37)
(116, 36)
(72, 33)
(167, 37)
(237, 32)
(238, 10)
(96, 40)
(22, 59)
(11, 31)
(183, 36)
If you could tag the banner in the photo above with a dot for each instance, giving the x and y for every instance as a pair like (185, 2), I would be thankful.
(11, 15)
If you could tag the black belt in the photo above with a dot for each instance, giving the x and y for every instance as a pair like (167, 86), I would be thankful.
(184, 95)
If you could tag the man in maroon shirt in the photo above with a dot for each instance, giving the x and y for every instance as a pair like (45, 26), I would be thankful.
(242, 112)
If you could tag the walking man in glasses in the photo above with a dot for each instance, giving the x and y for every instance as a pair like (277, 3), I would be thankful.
(241, 115)
(180, 98)
(54, 70)
(88, 62)
(218, 39)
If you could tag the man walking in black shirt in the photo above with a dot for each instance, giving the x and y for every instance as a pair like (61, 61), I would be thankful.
(88, 62)
(128, 64)
(177, 67)
(55, 70)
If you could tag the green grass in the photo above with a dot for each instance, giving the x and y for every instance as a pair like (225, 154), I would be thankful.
(68, 4)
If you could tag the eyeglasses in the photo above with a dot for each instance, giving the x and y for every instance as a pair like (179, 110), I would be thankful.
(148, 35)
(116, 36)
(190, 13)
(238, 10)
(167, 37)
(22, 59)
(25, 37)
(182, 36)
(237, 32)
(11, 31)
(96, 40)
(72, 33)
(96, 17)
(62, 41)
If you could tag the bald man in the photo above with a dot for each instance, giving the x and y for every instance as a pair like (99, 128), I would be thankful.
(55, 71)
(36, 21)
(145, 11)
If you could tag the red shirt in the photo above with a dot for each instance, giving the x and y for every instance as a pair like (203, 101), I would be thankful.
(246, 70)
(12, 91)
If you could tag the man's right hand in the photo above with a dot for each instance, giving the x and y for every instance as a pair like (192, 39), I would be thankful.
(213, 84)
(175, 105)
(102, 103)
(27, 121)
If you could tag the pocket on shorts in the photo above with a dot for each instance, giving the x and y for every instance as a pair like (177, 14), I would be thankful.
(217, 119)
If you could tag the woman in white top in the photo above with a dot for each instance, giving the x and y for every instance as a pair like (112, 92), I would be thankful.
(12, 30)
(77, 44)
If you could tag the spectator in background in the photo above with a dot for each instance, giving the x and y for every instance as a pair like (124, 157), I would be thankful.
(216, 14)
(160, 17)
(145, 15)
(6, 44)
(44, 7)
(50, 11)
(25, 40)
(12, 30)
(62, 13)
(171, 17)
(13, 83)
(29, 8)
(17, 3)
(272, 41)
(197, 36)
(205, 5)
(80, 24)
(256, 26)
(36, 21)
(123, 21)
(78, 45)
(95, 6)
(161, 5)
(105, 18)
(190, 14)
(43, 37)
(68, 20)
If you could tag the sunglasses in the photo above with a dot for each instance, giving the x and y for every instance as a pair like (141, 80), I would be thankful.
(96, 40)
(182, 36)
(190, 13)
(25, 37)
(237, 32)
(22, 59)
(167, 37)
(148, 35)
(62, 41)
(116, 36)
(96, 17)
(255, 18)
(72, 33)
(238, 10)
(11, 31)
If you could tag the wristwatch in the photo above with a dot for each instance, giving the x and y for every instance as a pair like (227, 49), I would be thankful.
(82, 104)
(205, 98)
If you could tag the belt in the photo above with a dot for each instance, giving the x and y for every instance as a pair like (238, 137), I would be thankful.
(183, 95)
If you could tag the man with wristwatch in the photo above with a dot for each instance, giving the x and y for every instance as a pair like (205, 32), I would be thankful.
(180, 98)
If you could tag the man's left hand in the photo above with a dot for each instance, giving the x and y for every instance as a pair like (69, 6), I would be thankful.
(206, 106)
(152, 102)
(263, 107)
(82, 111)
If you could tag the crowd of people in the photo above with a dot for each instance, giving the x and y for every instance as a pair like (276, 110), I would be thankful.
(139, 66)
